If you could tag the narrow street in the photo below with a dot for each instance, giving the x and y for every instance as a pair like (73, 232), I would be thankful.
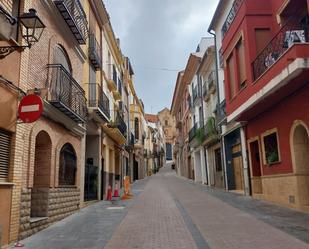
(170, 212)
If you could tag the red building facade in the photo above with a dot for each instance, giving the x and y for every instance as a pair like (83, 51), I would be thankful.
(265, 49)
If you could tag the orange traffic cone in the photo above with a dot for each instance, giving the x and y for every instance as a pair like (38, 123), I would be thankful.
(109, 193)
(116, 193)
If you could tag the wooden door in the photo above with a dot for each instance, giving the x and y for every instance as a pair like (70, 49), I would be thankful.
(238, 168)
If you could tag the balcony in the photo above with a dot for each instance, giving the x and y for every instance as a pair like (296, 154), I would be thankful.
(94, 52)
(196, 95)
(231, 16)
(75, 17)
(117, 93)
(112, 82)
(117, 130)
(98, 102)
(192, 132)
(203, 134)
(121, 125)
(221, 113)
(65, 93)
(211, 135)
(295, 31)
(138, 144)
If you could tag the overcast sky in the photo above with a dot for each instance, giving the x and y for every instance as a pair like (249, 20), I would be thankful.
(158, 36)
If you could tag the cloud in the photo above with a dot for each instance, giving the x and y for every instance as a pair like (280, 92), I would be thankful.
(156, 35)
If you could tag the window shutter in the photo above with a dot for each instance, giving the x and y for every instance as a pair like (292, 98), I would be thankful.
(262, 37)
(241, 63)
(5, 146)
(231, 75)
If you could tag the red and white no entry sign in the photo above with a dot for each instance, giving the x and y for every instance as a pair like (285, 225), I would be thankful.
(30, 108)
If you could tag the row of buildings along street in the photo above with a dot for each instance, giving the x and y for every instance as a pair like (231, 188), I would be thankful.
(93, 130)
(241, 103)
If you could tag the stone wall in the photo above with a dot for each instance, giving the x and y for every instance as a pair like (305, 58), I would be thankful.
(62, 202)
(39, 202)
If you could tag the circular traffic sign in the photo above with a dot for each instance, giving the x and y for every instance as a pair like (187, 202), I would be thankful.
(30, 108)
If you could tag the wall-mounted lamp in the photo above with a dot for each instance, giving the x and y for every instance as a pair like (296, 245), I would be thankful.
(31, 30)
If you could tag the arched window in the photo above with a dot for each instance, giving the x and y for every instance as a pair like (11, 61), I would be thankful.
(136, 128)
(67, 165)
(61, 57)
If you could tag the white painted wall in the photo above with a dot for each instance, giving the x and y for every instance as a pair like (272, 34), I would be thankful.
(217, 29)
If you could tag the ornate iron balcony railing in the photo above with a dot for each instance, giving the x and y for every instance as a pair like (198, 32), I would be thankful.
(231, 16)
(192, 132)
(65, 93)
(220, 112)
(295, 30)
(121, 125)
(75, 17)
(97, 98)
(94, 52)
(114, 75)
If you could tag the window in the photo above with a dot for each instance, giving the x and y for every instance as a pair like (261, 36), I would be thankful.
(67, 165)
(136, 128)
(5, 145)
(271, 148)
(166, 122)
(231, 76)
(241, 64)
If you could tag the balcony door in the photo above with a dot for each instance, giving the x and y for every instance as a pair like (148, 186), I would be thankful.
(64, 86)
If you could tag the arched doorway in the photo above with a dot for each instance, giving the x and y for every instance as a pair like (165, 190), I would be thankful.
(67, 166)
(42, 175)
(301, 160)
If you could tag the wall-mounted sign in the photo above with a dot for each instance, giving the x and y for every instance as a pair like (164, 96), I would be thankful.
(30, 108)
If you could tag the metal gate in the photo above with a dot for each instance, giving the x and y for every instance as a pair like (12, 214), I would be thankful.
(91, 183)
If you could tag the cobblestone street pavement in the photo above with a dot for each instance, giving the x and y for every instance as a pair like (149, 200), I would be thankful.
(174, 213)
(169, 212)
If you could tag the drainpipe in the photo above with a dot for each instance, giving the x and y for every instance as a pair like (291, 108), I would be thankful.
(219, 109)
(204, 170)
(217, 68)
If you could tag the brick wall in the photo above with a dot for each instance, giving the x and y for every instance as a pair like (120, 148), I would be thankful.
(33, 73)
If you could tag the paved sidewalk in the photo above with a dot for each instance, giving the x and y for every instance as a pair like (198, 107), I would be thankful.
(224, 226)
(288, 220)
(90, 228)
